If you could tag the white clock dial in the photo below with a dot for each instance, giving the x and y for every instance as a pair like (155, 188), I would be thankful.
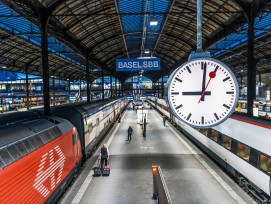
(202, 92)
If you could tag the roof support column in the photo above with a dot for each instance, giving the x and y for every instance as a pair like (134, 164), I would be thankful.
(251, 68)
(45, 65)
(153, 86)
(54, 90)
(116, 93)
(132, 81)
(102, 83)
(111, 94)
(69, 84)
(80, 89)
(122, 89)
(27, 87)
(162, 96)
(158, 87)
(87, 77)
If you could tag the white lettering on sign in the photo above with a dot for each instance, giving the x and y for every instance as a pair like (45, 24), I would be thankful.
(54, 171)
(138, 65)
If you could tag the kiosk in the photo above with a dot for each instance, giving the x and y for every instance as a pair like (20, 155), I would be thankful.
(141, 114)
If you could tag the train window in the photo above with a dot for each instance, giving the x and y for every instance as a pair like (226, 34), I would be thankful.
(2, 165)
(214, 135)
(5, 157)
(265, 163)
(90, 128)
(243, 151)
(47, 136)
(97, 122)
(43, 137)
(203, 131)
(28, 146)
(39, 140)
(55, 132)
(22, 150)
(34, 142)
(226, 142)
(75, 138)
(14, 152)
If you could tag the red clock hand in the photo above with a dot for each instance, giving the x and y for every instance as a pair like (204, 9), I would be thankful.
(211, 75)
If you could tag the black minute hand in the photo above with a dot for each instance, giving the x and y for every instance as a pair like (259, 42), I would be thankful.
(203, 66)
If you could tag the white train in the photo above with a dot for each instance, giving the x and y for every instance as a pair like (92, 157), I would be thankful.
(264, 109)
(92, 120)
(242, 145)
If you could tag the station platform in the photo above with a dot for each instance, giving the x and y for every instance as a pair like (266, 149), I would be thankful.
(190, 176)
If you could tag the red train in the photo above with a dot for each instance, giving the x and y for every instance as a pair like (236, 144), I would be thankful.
(40, 156)
(37, 156)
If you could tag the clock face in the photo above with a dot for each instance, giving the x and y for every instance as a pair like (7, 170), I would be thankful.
(202, 92)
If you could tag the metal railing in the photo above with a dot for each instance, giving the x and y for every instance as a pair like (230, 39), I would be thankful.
(160, 190)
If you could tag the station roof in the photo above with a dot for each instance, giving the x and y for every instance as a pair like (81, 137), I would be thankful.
(111, 29)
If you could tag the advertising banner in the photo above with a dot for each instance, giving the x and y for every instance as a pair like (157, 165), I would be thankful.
(137, 64)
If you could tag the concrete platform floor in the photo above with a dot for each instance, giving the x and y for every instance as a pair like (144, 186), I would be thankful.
(191, 177)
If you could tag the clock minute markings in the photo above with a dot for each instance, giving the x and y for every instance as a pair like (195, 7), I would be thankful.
(188, 69)
(179, 106)
(188, 117)
(216, 116)
(228, 107)
(226, 79)
(216, 68)
(177, 79)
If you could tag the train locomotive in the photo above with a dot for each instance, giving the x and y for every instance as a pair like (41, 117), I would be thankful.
(39, 156)
(241, 145)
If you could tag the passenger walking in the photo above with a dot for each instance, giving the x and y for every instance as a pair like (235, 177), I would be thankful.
(130, 131)
(104, 156)
(164, 120)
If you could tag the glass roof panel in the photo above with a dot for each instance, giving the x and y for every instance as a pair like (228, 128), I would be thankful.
(136, 17)
(19, 26)
(261, 25)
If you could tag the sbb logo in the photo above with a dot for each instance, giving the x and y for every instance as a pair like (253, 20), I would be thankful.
(53, 172)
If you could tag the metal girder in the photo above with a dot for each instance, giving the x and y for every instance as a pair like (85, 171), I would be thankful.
(85, 17)
(103, 41)
(142, 13)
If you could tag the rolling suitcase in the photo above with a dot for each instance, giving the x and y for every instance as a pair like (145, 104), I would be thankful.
(106, 170)
(97, 170)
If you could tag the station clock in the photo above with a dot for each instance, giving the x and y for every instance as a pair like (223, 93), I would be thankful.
(202, 92)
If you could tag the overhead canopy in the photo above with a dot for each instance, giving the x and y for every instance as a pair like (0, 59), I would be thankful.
(111, 29)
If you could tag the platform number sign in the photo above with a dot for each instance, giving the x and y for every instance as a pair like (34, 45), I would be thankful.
(202, 92)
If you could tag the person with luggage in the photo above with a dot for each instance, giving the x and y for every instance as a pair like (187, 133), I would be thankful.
(130, 131)
(104, 156)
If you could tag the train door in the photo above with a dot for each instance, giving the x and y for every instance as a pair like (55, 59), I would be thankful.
(76, 147)
(114, 111)
(97, 127)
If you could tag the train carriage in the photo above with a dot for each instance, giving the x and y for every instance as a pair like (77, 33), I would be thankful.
(92, 120)
(241, 145)
(38, 159)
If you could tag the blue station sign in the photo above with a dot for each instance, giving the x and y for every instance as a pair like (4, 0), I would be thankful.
(137, 64)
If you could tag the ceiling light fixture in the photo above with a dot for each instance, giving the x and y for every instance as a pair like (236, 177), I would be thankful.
(146, 51)
(154, 21)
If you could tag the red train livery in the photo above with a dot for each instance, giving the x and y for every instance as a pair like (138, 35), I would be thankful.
(37, 160)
